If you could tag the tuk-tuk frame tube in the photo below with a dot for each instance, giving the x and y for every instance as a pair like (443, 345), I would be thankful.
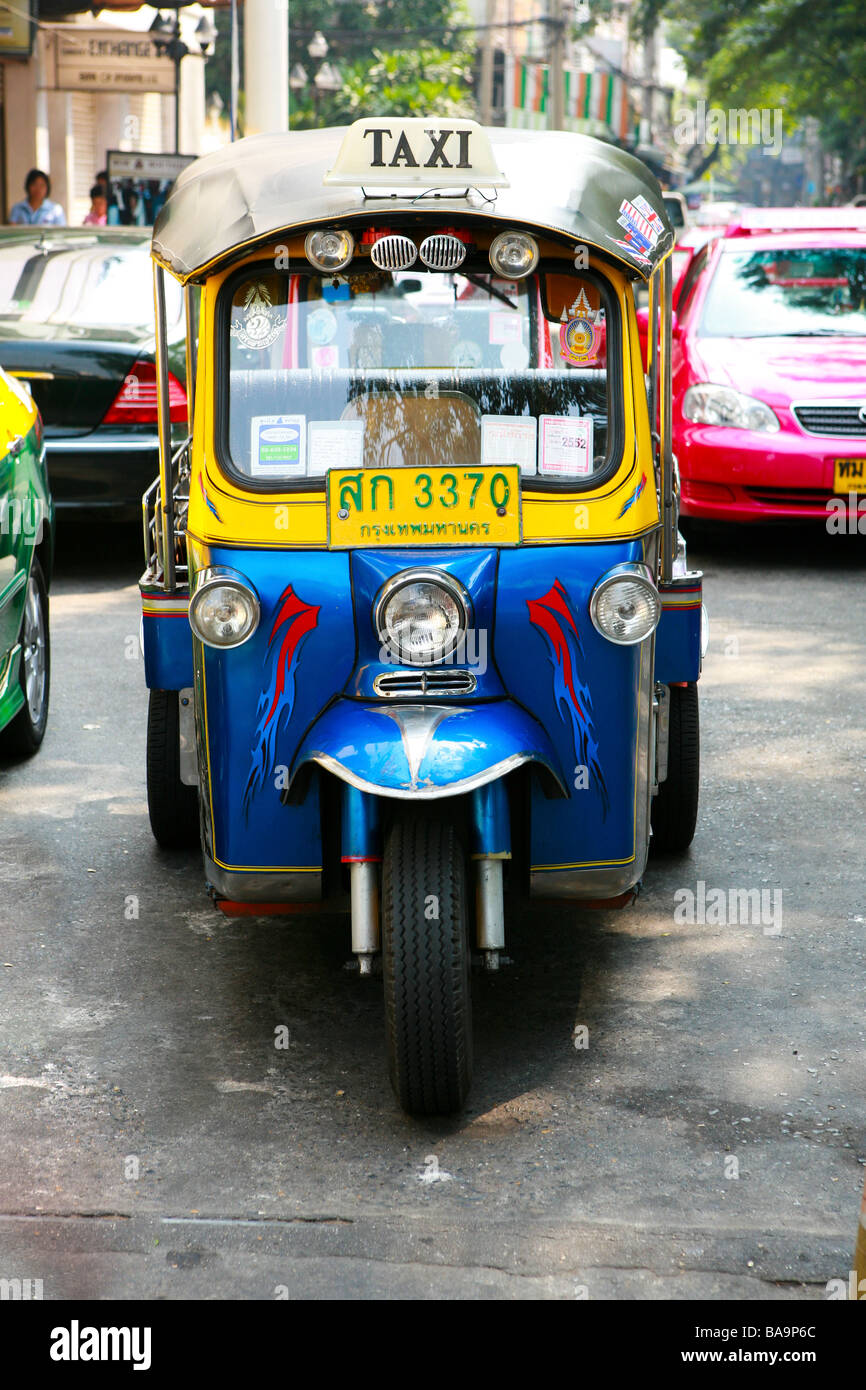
(164, 432)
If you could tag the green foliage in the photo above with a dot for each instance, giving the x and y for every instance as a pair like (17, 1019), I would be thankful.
(806, 56)
(402, 82)
(395, 57)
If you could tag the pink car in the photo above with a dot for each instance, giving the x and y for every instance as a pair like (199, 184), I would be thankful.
(769, 367)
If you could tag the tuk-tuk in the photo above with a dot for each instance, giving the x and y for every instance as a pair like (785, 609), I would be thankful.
(418, 628)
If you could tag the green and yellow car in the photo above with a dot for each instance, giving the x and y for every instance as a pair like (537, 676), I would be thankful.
(26, 560)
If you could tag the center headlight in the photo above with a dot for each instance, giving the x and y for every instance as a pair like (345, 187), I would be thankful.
(625, 606)
(224, 610)
(421, 616)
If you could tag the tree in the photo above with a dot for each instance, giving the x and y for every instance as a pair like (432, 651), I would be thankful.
(396, 57)
(806, 56)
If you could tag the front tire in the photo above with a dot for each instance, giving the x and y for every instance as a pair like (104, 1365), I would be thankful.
(23, 735)
(675, 806)
(171, 804)
(425, 964)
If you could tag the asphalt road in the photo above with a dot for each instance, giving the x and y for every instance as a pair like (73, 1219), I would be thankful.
(707, 1143)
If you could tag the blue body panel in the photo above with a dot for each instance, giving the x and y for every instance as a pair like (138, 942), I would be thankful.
(582, 688)
(678, 637)
(167, 643)
(260, 698)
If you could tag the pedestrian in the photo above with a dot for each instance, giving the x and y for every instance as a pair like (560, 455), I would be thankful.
(37, 207)
(98, 214)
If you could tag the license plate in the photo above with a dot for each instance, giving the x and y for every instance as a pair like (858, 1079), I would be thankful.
(849, 475)
(432, 506)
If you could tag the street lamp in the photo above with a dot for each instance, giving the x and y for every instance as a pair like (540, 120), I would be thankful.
(326, 78)
(165, 32)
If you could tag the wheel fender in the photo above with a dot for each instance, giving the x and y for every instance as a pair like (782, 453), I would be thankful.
(426, 750)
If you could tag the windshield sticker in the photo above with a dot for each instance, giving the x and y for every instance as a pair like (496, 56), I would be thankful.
(578, 336)
(334, 444)
(514, 356)
(509, 439)
(262, 323)
(643, 226)
(505, 327)
(467, 354)
(278, 446)
(322, 327)
(323, 358)
(565, 446)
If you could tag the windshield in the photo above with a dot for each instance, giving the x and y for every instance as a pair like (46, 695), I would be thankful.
(810, 291)
(406, 369)
(80, 285)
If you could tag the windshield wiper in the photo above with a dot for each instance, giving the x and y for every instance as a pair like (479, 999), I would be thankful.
(813, 333)
(482, 284)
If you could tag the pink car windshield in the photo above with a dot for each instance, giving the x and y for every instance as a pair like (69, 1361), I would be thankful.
(787, 292)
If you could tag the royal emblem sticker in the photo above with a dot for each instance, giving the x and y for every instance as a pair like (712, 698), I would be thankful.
(578, 333)
(262, 323)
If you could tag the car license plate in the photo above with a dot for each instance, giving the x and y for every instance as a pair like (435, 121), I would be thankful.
(849, 475)
(431, 506)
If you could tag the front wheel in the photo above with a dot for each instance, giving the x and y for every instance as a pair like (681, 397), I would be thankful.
(675, 807)
(24, 734)
(425, 964)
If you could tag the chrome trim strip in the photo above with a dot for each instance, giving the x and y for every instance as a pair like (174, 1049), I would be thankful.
(238, 885)
(7, 594)
(468, 784)
(86, 444)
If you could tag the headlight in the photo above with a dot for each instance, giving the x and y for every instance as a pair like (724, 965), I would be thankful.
(708, 404)
(224, 610)
(420, 616)
(329, 250)
(625, 606)
(513, 255)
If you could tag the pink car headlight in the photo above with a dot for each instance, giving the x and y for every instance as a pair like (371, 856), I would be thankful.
(709, 404)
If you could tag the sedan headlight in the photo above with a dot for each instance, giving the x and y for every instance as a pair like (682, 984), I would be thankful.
(421, 616)
(224, 610)
(625, 606)
(708, 404)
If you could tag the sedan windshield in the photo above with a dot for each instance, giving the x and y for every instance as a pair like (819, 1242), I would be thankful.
(806, 291)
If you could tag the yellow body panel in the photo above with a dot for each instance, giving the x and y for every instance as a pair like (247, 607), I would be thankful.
(624, 506)
(18, 409)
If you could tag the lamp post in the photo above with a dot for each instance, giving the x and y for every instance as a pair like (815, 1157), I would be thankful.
(327, 77)
(165, 33)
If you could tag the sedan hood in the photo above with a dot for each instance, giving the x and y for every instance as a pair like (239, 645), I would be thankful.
(786, 369)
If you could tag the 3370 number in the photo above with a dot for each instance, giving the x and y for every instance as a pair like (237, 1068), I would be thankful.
(449, 495)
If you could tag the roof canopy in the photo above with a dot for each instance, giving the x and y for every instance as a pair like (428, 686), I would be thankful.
(255, 189)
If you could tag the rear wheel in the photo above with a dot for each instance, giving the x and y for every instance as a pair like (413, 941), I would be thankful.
(425, 964)
(24, 734)
(172, 805)
(675, 807)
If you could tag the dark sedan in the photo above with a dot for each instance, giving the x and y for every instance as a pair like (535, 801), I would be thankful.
(76, 326)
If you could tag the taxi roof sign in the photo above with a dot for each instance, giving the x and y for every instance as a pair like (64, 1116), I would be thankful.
(416, 151)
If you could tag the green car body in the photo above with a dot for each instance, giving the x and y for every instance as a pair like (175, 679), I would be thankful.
(26, 562)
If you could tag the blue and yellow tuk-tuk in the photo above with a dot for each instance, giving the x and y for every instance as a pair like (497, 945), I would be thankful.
(418, 629)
